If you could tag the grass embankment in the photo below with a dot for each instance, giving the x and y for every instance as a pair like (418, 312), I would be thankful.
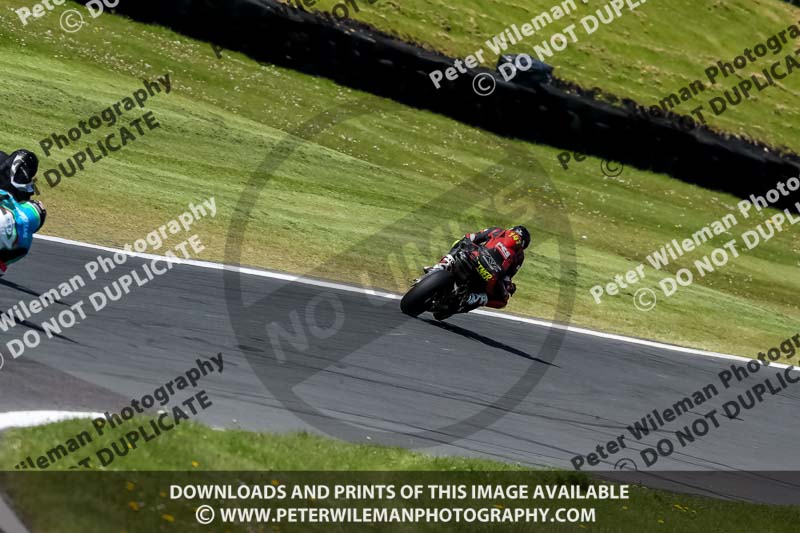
(644, 55)
(141, 502)
(223, 116)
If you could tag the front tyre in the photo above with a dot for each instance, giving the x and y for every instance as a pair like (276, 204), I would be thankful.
(417, 300)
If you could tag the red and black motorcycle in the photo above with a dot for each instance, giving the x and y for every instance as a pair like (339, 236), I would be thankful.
(444, 290)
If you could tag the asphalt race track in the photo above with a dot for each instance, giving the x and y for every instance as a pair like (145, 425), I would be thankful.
(405, 381)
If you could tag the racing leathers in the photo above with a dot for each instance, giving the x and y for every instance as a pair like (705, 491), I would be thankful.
(506, 248)
(18, 222)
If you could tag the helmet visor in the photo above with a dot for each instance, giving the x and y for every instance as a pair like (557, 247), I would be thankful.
(19, 175)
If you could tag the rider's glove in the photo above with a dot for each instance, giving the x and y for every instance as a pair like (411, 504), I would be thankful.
(42, 212)
(511, 288)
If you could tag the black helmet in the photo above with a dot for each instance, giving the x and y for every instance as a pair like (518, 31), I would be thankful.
(22, 168)
(524, 234)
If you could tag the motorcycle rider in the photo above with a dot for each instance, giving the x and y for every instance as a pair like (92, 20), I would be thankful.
(507, 247)
(20, 217)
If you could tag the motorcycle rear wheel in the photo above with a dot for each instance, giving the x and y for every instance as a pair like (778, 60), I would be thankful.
(417, 299)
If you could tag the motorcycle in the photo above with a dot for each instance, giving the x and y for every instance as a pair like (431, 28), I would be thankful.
(444, 291)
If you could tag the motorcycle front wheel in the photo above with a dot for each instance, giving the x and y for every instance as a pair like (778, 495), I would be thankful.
(417, 300)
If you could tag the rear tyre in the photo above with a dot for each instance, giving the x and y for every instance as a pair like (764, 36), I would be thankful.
(417, 300)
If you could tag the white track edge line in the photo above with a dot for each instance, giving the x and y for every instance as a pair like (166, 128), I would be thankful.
(24, 419)
(369, 292)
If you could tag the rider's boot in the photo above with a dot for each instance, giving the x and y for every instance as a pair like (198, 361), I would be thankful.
(445, 264)
(473, 301)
